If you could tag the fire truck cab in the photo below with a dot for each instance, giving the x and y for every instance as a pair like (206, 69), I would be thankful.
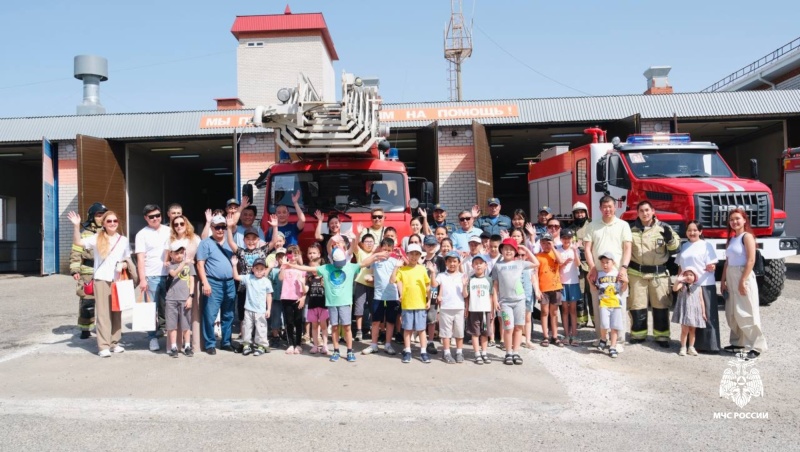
(682, 179)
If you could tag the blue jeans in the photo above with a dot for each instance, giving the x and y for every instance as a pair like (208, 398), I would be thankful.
(222, 299)
(157, 293)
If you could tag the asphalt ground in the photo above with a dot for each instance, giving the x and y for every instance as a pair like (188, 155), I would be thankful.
(56, 394)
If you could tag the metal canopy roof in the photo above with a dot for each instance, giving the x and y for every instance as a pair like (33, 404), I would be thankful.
(609, 108)
(580, 110)
(116, 126)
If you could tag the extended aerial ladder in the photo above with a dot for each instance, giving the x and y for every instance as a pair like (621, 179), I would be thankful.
(306, 124)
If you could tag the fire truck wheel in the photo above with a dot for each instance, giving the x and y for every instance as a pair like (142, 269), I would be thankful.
(771, 284)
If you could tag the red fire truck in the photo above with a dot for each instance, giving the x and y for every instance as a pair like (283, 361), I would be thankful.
(682, 179)
(336, 154)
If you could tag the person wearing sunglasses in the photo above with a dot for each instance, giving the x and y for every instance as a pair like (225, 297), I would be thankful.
(376, 229)
(465, 231)
(111, 252)
(181, 229)
(149, 246)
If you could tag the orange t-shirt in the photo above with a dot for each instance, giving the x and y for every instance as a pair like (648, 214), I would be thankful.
(549, 276)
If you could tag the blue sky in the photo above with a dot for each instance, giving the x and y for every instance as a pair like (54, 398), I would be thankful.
(179, 55)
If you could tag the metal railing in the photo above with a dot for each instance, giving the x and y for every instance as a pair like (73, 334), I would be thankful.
(755, 65)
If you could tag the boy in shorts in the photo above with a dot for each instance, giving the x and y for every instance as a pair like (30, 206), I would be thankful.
(337, 279)
(179, 299)
(549, 291)
(257, 306)
(507, 287)
(450, 298)
(481, 304)
(385, 304)
(610, 291)
(414, 287)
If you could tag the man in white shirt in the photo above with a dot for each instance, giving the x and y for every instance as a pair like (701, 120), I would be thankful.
(151, 241)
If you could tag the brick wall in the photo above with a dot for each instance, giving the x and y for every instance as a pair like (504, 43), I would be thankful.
(254, 159)
(649, 125)
(67, 199)
(456, 168)
(263, 70)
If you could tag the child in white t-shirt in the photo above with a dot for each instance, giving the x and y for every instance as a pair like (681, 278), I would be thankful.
(571, 291)
(481, 305)
(451, 306)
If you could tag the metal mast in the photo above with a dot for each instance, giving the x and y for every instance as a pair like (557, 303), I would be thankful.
(457, 48)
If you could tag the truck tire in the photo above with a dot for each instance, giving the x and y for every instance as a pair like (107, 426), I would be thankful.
(770, 285)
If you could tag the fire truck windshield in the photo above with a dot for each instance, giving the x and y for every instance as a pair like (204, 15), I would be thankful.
(676, 163)
(344, 191)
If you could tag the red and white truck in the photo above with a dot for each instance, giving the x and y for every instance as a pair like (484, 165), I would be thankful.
(684, 181)
(336, 154)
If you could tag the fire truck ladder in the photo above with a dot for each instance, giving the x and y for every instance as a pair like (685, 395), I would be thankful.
(307, 124)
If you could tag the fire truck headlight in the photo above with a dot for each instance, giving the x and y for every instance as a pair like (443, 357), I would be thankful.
(615, 141)
(284, 95)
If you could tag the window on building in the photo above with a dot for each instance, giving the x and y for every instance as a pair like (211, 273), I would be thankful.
(255, 44)
(581, 177)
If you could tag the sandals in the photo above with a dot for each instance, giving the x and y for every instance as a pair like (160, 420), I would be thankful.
(575, 342)
(558, 342)
(516, 359)
(601, 346)
(314, 350)
(544, 343)
(508, 360)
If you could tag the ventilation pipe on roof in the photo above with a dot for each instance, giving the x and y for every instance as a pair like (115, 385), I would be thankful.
(91, 70)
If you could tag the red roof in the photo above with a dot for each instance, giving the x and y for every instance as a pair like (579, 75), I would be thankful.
(285, 22)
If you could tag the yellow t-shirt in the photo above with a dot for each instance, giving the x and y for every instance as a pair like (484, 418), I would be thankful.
(415, 283)
(361, 278)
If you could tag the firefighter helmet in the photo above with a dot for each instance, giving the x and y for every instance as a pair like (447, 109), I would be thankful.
(580, 206)
(96, 208)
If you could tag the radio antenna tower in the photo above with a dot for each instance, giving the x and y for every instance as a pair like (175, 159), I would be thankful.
(457, 48)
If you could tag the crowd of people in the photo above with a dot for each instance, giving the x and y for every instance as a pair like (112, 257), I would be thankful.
(478, 279)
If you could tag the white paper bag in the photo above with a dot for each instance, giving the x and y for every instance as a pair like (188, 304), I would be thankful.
(126, 295)
(144, 317)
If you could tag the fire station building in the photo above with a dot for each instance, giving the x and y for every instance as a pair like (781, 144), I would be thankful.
(471, 150)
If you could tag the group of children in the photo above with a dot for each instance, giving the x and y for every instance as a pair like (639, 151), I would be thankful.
(410, 290)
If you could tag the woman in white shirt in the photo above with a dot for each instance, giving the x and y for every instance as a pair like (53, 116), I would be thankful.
(699, 255)
(738, 279)
(111, 251)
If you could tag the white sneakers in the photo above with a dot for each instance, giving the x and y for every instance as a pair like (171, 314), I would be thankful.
(154, 347)
(105, 353)
(117, 349)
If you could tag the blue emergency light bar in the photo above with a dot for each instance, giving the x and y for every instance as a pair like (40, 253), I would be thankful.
(393, 154)
(660, 138)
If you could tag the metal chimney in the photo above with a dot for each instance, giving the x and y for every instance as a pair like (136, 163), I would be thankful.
(92, 70)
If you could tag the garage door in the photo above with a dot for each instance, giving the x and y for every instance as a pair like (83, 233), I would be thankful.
(101, 177)
(792, 203)
(484, 185)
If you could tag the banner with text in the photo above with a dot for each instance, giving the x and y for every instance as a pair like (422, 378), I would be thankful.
(224, 121)
(442, 113)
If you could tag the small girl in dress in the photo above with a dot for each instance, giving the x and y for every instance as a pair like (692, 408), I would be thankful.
(690, 310)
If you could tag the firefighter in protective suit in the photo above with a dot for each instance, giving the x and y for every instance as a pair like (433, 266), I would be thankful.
(649, 282)
(81, 266)
(580, 223)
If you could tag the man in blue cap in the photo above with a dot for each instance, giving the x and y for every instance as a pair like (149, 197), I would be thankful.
(493, 223)
(545, 214)
(439, 220)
